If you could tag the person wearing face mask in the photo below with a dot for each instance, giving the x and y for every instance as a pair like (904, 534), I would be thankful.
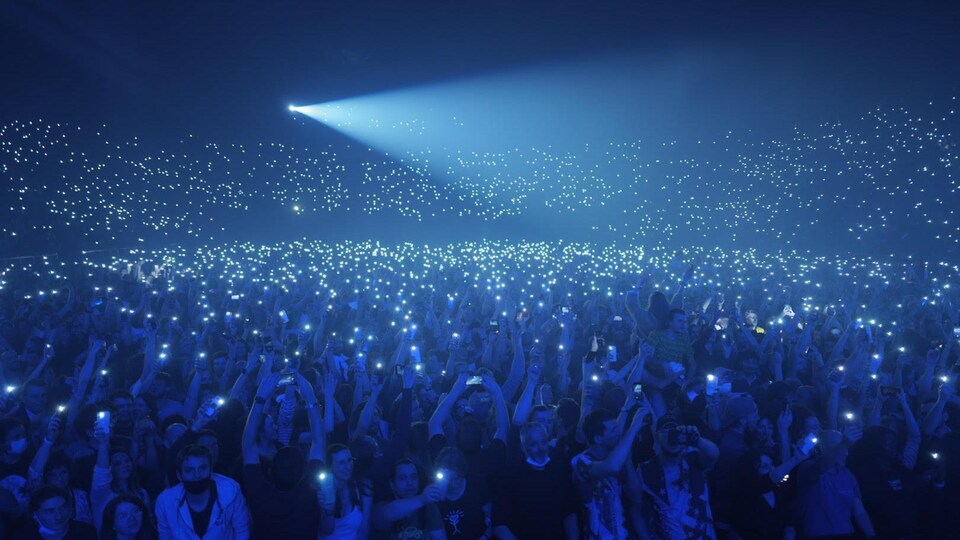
(204, 505)
(51, 510)
(15, 459)
(535, 497)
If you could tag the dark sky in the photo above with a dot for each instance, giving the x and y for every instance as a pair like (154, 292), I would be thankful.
(225, 70)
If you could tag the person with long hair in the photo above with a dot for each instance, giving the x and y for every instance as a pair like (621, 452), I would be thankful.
(127, 517)
(114, 474)
(353, 502)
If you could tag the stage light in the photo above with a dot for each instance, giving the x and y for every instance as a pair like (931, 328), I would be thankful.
(292, 108)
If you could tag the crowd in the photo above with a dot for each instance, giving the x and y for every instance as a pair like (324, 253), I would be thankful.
(860, 181)
(408, 393)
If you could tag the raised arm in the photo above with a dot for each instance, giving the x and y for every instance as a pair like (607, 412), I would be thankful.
(442, 412)
(39, 462)
(500, 405)
(248, 442)
(617, 457)
(318, 434)
(366, 415)
(515, 378)
(521, 413)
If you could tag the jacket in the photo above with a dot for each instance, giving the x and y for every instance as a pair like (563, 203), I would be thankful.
(229, 520)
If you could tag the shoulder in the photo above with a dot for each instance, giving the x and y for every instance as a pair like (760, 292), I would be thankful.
(228, 489)
(170, 494)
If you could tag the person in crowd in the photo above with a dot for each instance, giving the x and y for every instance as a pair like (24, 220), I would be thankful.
(114, 474)
(465, 505)
(283, 504)
(51, 518)
(204, 505)
(409, 513)
(352, 506)
(830, 504)
(466, 412)
(604, 473)
(535, 498)
(675, 482)
(126, 517)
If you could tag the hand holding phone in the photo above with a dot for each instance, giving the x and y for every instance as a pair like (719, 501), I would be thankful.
(327, 488)
(103, 422)
(809, 443)
(442, 480)
(711, 384)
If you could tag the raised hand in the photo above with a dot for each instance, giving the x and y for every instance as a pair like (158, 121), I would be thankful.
(431, 494)
(853, 433)
(53, 428)
(784, 421)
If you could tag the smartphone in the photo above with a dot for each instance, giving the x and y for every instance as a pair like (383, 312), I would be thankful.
(10, 389)
(617, 318)
(611, 354)
(235, 297)
(475, 380)
(61, 410)
(956, 332)
(327, 487)
(564, 310)
(638, 391)
(210, 408)
(711, 385)
(809, 443)
(283, 316)
(875, 365)
(287, 380)
(521, 314)
(398, 370)
(103, 421)
(494, 324)
(442, 479)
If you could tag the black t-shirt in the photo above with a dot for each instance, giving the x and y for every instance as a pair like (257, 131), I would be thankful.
(890, 497)
(532, 503)
(201, 519)
(417, 525)
(464, 518)
(280, 514)
(482, 467)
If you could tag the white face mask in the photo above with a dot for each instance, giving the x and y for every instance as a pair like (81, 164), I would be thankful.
(18, 446)
(692, 396)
